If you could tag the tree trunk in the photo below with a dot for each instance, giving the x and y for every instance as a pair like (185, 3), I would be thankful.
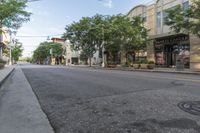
(126, 57)
(133, 56)
(138, 56)
(90, 61)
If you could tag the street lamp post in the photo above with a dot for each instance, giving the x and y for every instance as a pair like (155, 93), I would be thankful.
(103, 56)
(10, 47)
(10, 60)
(103, 49)
(66, 53)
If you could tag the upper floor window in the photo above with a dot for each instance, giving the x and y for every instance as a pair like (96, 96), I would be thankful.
(158, 18)
(144, 17)
(185, 5)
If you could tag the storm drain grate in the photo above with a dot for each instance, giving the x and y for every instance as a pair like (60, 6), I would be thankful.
(192, 107)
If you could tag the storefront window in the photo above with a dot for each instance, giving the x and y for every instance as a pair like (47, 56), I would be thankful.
(168, 50)
(184, 54)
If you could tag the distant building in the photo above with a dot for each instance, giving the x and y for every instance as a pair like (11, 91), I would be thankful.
(165, 47)
(71, 56)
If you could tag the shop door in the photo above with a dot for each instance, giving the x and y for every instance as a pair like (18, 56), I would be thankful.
(170, 56)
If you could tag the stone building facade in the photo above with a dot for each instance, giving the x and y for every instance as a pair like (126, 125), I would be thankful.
(164, 47)
(4, 41)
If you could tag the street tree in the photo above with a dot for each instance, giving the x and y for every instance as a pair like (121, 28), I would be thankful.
(184, 20)
(43, 51)
(126, 35)
(115, 36)
(177, 19)
(115, 33)
(194, 12)
(17, 50)
(138, 35)
(13, 13)
(83, 36)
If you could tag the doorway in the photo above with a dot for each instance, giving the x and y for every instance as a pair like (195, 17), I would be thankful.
(170, 55)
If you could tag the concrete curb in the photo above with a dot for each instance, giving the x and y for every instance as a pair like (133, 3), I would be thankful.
(155, 71)
(143, 70)
(6, 76)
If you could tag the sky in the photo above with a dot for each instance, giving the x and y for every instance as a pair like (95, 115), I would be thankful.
(50, 17)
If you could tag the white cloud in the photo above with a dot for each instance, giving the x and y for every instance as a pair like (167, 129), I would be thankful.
(43, 13)
(108, 3)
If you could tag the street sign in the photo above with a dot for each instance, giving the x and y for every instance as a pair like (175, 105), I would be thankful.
(7, 22)
(51, 51)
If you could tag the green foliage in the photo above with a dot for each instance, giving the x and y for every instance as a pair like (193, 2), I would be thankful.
(2, 61)
(43, 51)
(13, 14)
(177, 19)
(17, 51)
(143, 61)
(194, 13)
(151, 62)
(116, 33)
(184, 20)
(86, 35)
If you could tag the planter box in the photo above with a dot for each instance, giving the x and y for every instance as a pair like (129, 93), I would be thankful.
(151, 66)
(136, 66)
(143, 66)
(2, 66)
(112, 66)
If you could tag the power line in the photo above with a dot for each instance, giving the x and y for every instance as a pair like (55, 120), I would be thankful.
(33, 36)
(33, 0)
(36, 36)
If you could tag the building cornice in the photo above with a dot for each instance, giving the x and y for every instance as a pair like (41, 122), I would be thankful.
(135, 8)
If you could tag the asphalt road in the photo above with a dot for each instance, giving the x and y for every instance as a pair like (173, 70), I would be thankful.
(83, 100)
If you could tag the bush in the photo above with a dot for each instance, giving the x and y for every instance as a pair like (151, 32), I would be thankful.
(144, 62)
(151, 62)
(136, 62)
(2, 62)
(125, 65)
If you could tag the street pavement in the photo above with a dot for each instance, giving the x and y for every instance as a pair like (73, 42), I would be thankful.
(83, 100)
(20, 111)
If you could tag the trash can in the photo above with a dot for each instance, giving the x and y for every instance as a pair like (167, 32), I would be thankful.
(179, 65)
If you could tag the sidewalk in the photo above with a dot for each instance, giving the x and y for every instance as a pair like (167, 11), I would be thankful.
(4, 73)
(156, 70)
(20, 111)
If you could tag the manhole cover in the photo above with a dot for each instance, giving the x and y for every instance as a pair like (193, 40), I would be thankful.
(192, 107)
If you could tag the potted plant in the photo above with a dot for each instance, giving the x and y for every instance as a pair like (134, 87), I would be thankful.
(111, 64)
(143, 64)
(2, 63)
(151, 65)
(136, 65)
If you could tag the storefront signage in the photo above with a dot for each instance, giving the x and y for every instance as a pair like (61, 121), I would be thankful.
(172, 40)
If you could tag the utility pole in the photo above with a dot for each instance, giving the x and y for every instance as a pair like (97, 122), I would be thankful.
(103, 48)
(1, 41)
(10, 60)
(66, 52)
(1, 49)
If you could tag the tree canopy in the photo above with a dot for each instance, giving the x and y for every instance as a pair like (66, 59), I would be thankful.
(114, 33)
(43, 51)
(185, 20)
(17, 50)
(13, 13)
